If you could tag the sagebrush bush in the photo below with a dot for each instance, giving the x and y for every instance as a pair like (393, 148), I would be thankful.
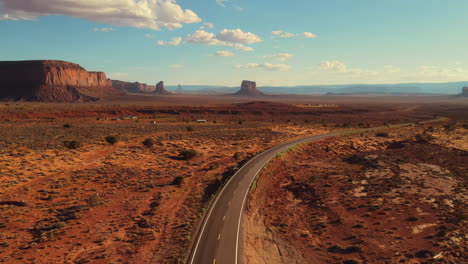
(149, 142)
(188, 154)
(72, 144)
(112, 139)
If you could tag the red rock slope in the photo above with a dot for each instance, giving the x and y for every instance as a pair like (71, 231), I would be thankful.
(51, 81)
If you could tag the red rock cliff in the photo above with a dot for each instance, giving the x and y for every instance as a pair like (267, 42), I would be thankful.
(51, 81)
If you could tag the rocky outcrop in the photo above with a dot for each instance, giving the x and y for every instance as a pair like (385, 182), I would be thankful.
(51, 81)
(132, 87)
(464, 91)
(160, 89)
(249, 88)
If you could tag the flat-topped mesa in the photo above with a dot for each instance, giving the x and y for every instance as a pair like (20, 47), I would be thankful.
(51, 81)
(160, 89)
(464, 91)
(248, 88)
(132, 87)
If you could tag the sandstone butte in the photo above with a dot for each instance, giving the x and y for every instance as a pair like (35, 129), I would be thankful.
(249, 88)
(160, 90)
(132, 87)
(464, 91)
(52, 81)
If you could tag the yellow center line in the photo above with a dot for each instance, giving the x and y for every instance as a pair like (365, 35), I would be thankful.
(214, 261)
(219, 236)
(224, 218)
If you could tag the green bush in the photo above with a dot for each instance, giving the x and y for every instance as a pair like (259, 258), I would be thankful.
(188, 154)
(112, 139)
(149, 142)
(72, 144)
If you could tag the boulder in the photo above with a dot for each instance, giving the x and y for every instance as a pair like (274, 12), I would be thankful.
(51, 81)
(248, 88)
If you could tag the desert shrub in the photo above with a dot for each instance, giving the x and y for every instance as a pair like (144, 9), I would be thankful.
(423, 138)
(237, 156)
(189, 129)
(424, 253)
(350, 261)
(112, 139)
(67, 126)
(188, 154)
(179, 180)
(412, 219)
(93, 200)
(327, 149)
(149, 142)
(240, 122)
(465, 125)
(382, 134)
(338, 249)
(72, 144)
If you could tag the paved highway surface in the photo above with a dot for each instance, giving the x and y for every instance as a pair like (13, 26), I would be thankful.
(217, 241)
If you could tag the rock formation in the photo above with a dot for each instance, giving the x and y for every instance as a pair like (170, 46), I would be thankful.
(51, 81)
(132, 87)
(160, 89)
(464, 91)
(248, 88)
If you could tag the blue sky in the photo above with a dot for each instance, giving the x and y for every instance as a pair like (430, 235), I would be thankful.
(294, 42)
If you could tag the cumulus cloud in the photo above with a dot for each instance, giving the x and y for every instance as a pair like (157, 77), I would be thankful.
(223, 53)
(309, 35)
(174, 42)
(264, 66)
(277, 32)
(104, 29)
(238, 36)
(236, 41)
(203, 37)
(152, 14)
(342, 68)
(336, 66)
(280, 57)
(391, 69)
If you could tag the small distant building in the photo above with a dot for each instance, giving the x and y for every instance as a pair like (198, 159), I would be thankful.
(201, 121)
(128, 117)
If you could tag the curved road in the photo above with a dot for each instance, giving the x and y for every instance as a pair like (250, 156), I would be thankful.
(218, 239)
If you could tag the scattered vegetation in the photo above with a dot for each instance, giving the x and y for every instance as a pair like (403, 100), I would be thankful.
(112, 140)
(67, 126)
(149, 142)
(188, 154)
(72, 144)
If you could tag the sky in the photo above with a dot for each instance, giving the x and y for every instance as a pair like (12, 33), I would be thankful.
(222, 42)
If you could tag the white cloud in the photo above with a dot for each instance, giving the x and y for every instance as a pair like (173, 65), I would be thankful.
(264, 66)
(174, 42)
(224, 54)
(203, 37)
(280, 57)
(336, 66)
(309, 35)
(104, 29)
(207, 38)
(149, 36)
(221, 2)
(152, 14)
(342, 68)
(241, 47)
(277, 32)
(287, 35)
(176, 66)
(238, 36)
(206, 25)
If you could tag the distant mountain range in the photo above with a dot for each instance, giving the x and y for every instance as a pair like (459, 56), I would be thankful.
(404, 88)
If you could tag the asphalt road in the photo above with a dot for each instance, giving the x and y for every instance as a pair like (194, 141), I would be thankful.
(218, 239)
